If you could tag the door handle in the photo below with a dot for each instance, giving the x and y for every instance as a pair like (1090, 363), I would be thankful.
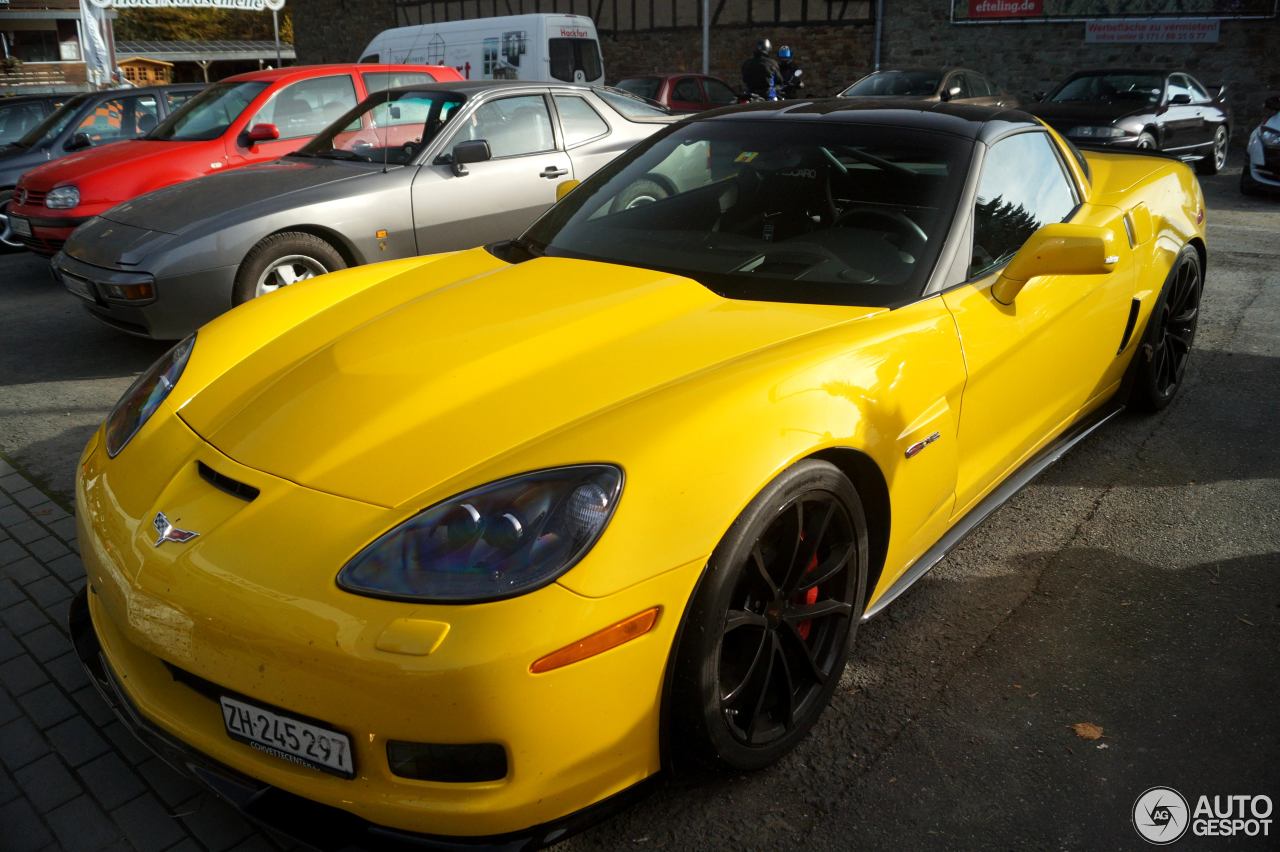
(553, 172)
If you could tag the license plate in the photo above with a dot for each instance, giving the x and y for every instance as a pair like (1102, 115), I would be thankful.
(20, 226)
(78, 287)
(288, 738)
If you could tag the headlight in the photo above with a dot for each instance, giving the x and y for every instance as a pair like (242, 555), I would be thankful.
(502, 539)
(144, 396)
(1269, 136)
(1088, 132)
(62, 198)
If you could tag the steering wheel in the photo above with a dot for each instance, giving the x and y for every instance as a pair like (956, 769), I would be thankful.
(898, 221)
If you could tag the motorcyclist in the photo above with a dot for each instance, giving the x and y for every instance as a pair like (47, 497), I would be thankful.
(789, 73)
(760, 74)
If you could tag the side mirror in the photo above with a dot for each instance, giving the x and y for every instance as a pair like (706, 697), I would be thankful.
(1272, 103)
(1180, 100)
(1057, 249)
(474, 151)
(949, 93)
(78, 141)
(1038, 96)
(565, 187)
(263, 133)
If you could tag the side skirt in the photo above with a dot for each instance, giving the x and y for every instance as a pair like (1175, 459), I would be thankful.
(997, 498)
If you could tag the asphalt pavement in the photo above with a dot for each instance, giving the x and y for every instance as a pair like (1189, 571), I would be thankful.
(1130, 594)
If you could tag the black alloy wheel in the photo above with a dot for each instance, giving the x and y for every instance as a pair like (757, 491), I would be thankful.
(1170, 333)
(772, 623)
(1216, 159)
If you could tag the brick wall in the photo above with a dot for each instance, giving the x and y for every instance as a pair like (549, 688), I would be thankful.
(1027, 58)
(1024, 58)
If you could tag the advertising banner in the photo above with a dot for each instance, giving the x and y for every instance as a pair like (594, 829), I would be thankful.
(987, 11)
(1157, 30)
(241, 5)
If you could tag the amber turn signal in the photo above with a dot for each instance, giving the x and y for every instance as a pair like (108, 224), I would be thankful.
(599, 642)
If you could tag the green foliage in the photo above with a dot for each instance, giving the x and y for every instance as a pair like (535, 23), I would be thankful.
(199, 25)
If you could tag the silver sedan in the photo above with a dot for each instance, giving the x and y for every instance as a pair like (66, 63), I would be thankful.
(409, 171)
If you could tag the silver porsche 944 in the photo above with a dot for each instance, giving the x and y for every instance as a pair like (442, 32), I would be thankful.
(409, 171)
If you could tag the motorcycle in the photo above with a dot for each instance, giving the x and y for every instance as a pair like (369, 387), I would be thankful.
(779, 89)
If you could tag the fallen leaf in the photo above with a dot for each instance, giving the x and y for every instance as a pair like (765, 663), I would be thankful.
(1244, 620)
(1087, 730)
(1103, 745)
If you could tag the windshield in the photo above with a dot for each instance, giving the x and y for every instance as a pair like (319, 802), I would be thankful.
(46, 131)
(770, 210)
(641, 87)
(1108, 88)
(392, 128)
(208, 114)
(629, 105)
(886, 84)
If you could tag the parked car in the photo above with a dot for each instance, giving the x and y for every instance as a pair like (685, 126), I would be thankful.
(682, 93)
(1261, 172)
(517, 526)
(1143, 109)
(83, 121)
(249, 118)
(20, 113)
(543, 47)
(410, 171)
(956, 85)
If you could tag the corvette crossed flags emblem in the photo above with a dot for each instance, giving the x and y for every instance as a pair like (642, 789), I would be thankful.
(166, 531)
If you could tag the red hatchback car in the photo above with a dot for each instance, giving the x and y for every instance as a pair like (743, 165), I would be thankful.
(681, 92)
(249, 118)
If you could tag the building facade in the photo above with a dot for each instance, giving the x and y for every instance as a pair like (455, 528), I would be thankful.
(40, 46)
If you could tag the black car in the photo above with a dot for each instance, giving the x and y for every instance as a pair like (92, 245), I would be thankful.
(20, 113)
(85, 120)
(1141, 109)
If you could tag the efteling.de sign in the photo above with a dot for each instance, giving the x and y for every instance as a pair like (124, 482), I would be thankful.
(242, 5)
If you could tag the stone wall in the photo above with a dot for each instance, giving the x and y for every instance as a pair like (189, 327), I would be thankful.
(1028, 57)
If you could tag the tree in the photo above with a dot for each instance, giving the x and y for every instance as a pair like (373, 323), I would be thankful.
(199, 25)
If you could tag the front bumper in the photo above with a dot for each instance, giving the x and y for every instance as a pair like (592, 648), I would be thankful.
(48, 233)
(250, 607)
(312, 823)
(1263, 162)
(178, 307)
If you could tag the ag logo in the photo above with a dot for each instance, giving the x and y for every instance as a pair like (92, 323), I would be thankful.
(1161, 815)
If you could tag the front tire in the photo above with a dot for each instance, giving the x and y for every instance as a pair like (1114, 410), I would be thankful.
(769, 630)
(8, 241)
(645, 190)
(283, 259)
(1171, 330)
(1217, 158)
(1147, 142)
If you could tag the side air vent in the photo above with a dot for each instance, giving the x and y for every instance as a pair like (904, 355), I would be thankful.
(1128, 326)
(222, 482)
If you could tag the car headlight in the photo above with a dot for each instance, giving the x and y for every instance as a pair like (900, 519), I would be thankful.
(1090, 132)
(144, 396)
(62, 198)
(496, 541)
(1269, 136)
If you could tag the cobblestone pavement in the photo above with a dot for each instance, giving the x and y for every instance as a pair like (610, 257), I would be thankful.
(71, 777)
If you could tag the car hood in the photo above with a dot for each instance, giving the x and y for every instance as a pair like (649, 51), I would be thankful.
(1094, 112)
(410, 382)
(131, 155)
(186, 206)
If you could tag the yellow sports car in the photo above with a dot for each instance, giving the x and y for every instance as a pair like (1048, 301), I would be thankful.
(469, 545)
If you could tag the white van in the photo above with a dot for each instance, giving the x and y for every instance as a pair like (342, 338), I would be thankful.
(543, 47)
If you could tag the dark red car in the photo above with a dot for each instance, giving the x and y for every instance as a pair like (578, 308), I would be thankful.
(681, 92)
(249, 118)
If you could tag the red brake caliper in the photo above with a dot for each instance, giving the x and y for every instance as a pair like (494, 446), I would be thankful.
(809, 598)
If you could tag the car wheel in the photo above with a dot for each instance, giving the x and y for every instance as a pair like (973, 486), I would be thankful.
(281, 260)
(1147, 142)
(1213, 163)
(771, 624)
(641, 192)
(8, 241)
(1248, 186)
(1166, 346)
